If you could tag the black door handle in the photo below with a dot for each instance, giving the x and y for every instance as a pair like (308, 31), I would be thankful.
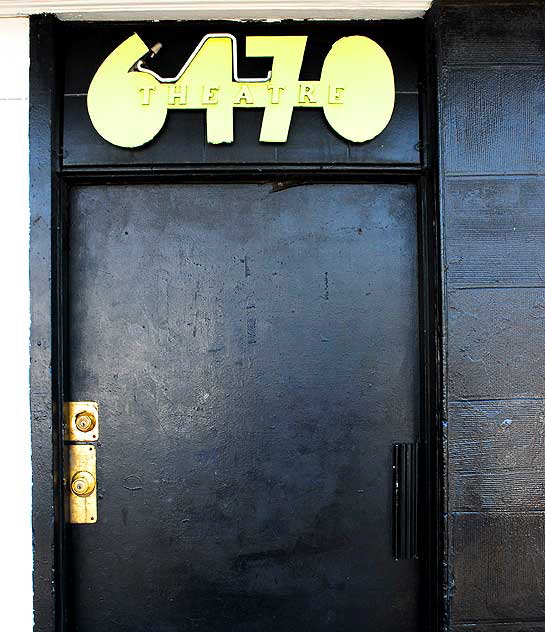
(405, 500)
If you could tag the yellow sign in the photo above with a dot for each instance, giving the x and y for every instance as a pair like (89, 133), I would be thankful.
(128, 103)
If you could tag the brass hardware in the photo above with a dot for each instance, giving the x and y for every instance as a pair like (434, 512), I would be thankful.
(85, 422)
(81, 484)
(81, 421)
(81, 424)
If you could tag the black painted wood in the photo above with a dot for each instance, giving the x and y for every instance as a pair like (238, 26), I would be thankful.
(182, 140)
(512, 34)
(496, 339)
(45, 339)
(493, 122)
(254, 350)
(497, 567)
(433, 498)
(85, 51)
(497, 455)
(492, 140)
(495, 230)
(537, 626)
(402, 41)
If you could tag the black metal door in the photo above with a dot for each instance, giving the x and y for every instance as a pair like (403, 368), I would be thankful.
(254, 350)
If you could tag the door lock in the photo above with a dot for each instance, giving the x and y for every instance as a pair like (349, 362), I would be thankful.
(81, 421)
(85, 422)
(83, 484)
(80, 431)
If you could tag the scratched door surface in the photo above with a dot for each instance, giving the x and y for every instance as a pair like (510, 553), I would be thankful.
(254, 350)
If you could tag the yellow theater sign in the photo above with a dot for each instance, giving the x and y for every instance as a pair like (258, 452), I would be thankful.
(128, 103)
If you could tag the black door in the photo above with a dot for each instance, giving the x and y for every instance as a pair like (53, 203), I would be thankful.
(254, 351)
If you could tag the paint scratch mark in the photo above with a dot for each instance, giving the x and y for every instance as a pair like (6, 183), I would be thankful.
(280, 186)
(194, 332)
(132, 483)
(251, 328)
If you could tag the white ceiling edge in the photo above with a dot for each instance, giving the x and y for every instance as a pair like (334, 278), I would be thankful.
(217, 9)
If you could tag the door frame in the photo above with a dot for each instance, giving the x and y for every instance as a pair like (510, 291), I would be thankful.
(49, 193)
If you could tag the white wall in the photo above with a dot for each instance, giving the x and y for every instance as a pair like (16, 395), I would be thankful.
(15, 469)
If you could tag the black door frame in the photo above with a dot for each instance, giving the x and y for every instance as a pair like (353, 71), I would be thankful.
(49, 191)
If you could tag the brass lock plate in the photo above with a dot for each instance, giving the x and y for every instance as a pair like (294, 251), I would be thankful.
(81, 421)
(81, 484)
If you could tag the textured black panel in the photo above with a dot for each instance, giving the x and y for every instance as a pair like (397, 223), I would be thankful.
(500, 34)
(497, 455)
(495, 231)
(255, 354)
(492, 123)
(498, 566)
(496, 339)
(493, 120)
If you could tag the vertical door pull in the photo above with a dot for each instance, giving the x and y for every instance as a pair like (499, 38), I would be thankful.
(405, 501)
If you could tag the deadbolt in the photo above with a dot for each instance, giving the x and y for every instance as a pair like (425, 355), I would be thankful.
(81, 421)
(82, 484)
(85, 421)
